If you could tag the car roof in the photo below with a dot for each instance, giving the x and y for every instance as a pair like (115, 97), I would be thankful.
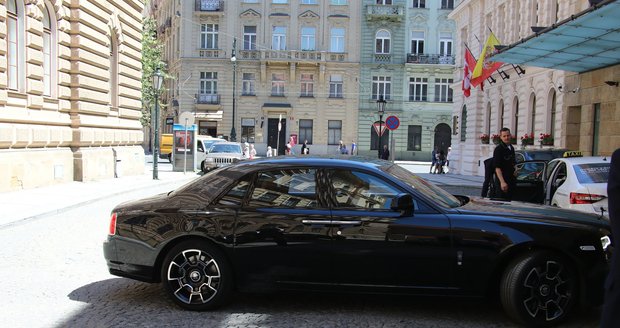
(584, 160)
(320, 160)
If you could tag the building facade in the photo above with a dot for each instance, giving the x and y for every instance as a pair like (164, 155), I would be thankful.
(70, 92)
(578, 111)
(408, 60)
(296, 61)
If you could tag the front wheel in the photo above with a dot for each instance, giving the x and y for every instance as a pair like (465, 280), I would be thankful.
(539, 289)
(196, 276)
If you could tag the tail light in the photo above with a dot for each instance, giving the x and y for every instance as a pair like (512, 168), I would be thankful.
(112, 230)
(579, 198)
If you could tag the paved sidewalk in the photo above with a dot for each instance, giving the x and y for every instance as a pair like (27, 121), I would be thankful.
(39, 202)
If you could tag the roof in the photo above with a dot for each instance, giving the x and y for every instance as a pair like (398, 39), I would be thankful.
(583, 42)
(585, 160)
(318, 160)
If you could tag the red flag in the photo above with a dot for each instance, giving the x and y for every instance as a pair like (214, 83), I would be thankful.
(470, 63)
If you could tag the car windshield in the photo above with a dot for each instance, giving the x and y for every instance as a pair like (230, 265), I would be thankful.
(592, 172)
(439, 195)
(225, 148)
(543, 155)
(209, 143)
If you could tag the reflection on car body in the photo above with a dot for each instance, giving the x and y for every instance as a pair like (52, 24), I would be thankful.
(355, 224)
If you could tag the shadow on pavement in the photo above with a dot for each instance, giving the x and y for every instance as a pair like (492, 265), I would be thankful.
(127, 303)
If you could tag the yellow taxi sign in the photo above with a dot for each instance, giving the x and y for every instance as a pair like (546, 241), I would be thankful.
(572, 153)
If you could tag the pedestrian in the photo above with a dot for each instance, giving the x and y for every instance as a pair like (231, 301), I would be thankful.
(269, 151)
(287, 151)
(504, 163)
(611, 306)
(353, 147)
(386, 153)
(489, 170)
(292, 142)
(252, 151)
(448, 169)
(441, 160)
(304, 146)
(342, 148)
(433, 160)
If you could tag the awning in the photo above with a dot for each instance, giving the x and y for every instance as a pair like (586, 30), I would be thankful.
(586, 41)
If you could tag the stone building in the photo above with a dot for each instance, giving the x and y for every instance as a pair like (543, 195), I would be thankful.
(541, 94)
(297, 60)
(70, 92)
(408, 59)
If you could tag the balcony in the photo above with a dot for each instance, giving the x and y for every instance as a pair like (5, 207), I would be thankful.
(312, 56)
(385, 12)
(430, 59)
(210, 53)
(207, 99)
(209, 6)
(383, 58)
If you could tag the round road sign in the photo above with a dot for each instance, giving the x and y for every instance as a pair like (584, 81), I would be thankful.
(392, 122)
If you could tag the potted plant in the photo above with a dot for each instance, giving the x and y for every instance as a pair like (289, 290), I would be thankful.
(484, 138)
(495, 138)
(545, 139)
(527, 139)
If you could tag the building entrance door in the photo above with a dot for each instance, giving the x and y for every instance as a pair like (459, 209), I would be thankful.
(442, 137)
(272, 135)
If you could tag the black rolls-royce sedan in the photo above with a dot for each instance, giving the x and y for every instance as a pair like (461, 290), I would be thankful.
(343, 224)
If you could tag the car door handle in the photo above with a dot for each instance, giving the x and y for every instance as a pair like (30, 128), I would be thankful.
(324, 222)
(347, 223)
(194, 212)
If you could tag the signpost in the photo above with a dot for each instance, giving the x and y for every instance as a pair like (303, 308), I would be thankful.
(392, 123)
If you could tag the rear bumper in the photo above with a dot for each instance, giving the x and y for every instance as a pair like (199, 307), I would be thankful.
(130, 259)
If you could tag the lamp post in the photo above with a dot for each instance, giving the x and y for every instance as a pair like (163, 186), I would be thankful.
(233, 59)
(381, 109)
(157, 79)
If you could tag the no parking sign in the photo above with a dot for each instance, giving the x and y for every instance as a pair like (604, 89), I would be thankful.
(392, 122)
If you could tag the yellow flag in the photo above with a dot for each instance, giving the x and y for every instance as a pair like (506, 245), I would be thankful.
(488, 50)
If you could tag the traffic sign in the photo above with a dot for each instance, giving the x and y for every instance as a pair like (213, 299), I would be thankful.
(379, 128)
(392, 122)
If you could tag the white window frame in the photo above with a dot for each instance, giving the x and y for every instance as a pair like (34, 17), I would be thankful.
(208, 83)
(278, 84)
(209, 36)
(336, 86)
(308, 2)
(249, 84)
(417, 42)
(418, 89)
(49, 53)
(249, 38)
(443, 92)
(446, 44)
(308, 38)
(307, 85)
(418, 4)
(337, 36)
(278, 38)
(383, 39)
(381, 86)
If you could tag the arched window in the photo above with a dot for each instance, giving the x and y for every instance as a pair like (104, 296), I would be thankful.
(15, 45)
(552, 113)
(464, 123)
(49, 51)
(533, 113)
(501, 115)
(515, 108)
(382, 42)
(113, 71)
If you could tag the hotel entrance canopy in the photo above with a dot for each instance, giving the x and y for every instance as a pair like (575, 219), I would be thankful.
(583, 42)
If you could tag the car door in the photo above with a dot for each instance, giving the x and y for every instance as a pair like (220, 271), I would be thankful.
(282, 233)
(377, 247)
(530, 182)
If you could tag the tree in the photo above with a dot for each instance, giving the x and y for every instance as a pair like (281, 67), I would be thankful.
(152, 50)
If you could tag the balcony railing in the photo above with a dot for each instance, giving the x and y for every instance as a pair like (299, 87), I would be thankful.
(210, 53)
(430, 59)
(209, 99)
(209, 5)
(292, 55)
(389, 12)
(383, 58)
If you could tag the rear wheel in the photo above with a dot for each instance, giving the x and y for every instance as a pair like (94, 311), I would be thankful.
(539, 289)
(196, 276)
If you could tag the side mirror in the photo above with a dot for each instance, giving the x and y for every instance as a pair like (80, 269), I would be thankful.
(404, 204)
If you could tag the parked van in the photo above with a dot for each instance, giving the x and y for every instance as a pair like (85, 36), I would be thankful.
(165, 146)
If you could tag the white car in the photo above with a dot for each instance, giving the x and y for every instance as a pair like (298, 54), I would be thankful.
(578, 183)
(222, 154)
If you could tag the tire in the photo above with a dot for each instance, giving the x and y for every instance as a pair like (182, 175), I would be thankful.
(203, 168)
(197, 276)
(539, 289)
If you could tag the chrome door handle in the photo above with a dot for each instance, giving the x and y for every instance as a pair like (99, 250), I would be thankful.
(315, 222)
(352, 222)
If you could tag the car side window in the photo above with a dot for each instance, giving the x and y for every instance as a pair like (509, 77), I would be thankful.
(285, 188)
(237, 193)
(519, 158)
(530, 171)
(200, 147)
(355, 189)
(550, 168)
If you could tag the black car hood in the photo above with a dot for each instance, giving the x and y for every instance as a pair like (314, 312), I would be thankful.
(522, 210)
(149, 203)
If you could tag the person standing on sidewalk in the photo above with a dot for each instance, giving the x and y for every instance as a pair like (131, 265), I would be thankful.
(447, 169)
(504, 163)
(433, 160)
(611, 306)
(386, 153)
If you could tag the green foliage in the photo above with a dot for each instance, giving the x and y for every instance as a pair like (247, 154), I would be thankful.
(152, 50)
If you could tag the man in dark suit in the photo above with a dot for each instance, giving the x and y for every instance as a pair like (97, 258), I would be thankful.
(611, 307)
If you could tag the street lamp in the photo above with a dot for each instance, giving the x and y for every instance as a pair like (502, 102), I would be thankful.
(233, 59)
(157, 79)
(381, 109)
